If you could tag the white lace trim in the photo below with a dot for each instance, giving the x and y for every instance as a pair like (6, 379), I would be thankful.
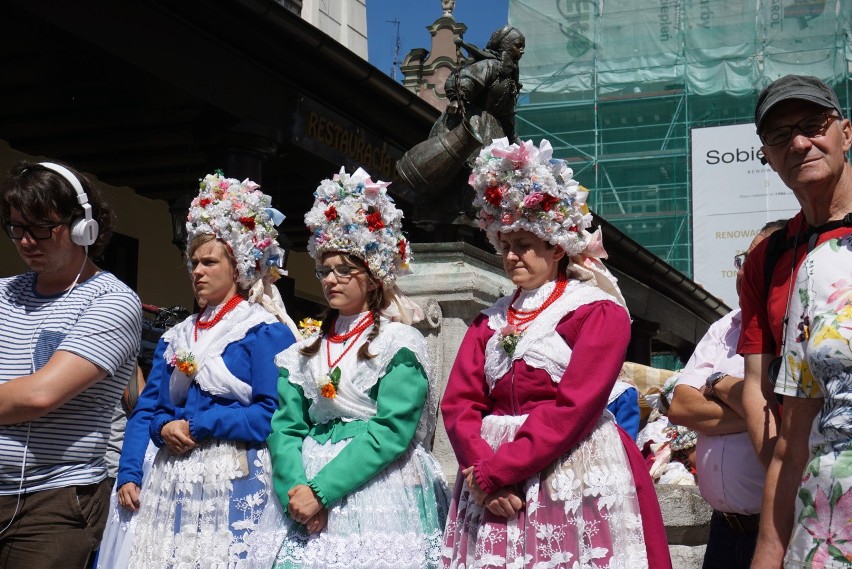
(581, 511)
(540, 346)
(345, 323)
(532, 299)
(215, 379)
(352, 401)
(117, 541)
(194, 514)
(394, 521)
(617, 390)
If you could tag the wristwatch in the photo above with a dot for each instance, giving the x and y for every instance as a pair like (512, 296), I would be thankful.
(710, 384)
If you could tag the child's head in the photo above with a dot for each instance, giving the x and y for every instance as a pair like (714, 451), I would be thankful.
(348, 285)
(354, 215)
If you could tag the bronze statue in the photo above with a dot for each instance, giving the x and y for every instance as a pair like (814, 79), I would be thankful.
(482, 94)
(490, 84)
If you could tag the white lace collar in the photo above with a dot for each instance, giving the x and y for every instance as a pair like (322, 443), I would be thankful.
(540, 346)
(211, 310)
(534, 297)
(344, 324)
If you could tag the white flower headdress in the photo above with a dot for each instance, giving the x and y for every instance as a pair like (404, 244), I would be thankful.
(521, 187)
(355, 215)
(240, 215)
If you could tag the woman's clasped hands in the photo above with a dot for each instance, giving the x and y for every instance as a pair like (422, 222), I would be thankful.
(177, 437)
(305, 508)
(506, 502)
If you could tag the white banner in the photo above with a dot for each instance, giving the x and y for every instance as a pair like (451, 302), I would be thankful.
(733, 196)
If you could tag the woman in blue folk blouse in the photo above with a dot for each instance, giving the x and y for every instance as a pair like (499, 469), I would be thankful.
(211, 393)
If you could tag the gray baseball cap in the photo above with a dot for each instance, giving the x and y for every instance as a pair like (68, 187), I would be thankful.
(803, 87)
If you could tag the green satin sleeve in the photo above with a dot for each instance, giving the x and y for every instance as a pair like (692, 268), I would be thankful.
(290, 426)
(400, 398)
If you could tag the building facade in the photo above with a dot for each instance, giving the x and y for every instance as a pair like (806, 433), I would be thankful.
(619, 87)
(343, 20)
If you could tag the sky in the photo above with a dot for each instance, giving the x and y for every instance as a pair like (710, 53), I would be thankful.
(482, 17)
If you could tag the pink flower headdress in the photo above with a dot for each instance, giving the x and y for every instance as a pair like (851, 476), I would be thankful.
(240, 215)
(353, 214)
(521, 187)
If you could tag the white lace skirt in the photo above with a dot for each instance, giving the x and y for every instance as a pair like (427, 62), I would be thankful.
(582, 511)
(395, 521)
(117, 541)
(198, 509)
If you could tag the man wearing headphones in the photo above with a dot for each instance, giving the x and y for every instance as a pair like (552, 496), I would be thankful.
(69, 336)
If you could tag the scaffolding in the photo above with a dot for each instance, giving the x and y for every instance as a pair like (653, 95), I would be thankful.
(617, 87)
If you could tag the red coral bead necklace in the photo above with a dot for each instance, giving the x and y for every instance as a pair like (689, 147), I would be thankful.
(206, 325)
(521, 319)
(355, 332)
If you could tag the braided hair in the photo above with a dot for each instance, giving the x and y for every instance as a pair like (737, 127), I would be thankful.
(375, 303)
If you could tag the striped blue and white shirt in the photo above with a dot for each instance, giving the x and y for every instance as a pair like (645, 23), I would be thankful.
(100, 320)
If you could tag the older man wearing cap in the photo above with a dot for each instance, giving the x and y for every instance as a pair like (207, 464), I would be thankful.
(805, 141)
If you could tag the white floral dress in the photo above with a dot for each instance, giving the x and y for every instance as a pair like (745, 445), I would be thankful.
(818, 364)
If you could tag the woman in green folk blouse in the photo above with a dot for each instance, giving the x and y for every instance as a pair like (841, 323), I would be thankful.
(356, 482)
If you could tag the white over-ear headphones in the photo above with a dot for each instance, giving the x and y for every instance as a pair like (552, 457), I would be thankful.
(84, 230)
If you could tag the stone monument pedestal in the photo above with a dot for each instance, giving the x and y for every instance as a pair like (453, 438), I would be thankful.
(452, 282)
(687, 519)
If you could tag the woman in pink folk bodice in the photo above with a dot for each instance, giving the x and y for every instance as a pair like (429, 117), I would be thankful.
(547, 479)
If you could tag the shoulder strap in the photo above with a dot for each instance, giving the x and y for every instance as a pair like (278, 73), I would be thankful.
(813, 233)
(776, 245)
(779, 242)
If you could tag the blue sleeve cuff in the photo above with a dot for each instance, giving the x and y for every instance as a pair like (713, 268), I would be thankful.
(193, 429)
(156, 427)
(121, 481)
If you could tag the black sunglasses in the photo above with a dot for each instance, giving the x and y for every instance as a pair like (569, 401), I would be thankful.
(37, 232)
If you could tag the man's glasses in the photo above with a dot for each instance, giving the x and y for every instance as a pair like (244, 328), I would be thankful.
(739, 260)
(811, 127)
(37, 232)
(340, 271)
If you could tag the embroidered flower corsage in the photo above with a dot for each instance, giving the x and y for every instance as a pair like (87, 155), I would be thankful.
(184, 361)
(309, 327)
(329, 383)
(509, 338)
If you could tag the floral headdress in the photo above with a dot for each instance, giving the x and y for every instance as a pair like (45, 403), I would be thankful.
(355, 215)
(521, 187)
(239, 214)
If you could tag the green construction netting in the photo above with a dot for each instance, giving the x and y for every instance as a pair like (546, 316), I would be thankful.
(617, 86)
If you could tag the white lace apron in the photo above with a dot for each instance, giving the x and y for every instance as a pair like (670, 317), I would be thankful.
(583, 509)
(117, 541)
(199, 508)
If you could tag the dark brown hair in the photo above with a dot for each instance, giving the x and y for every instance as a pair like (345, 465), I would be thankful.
(564, 267)
(42, 195)
(375, 302)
